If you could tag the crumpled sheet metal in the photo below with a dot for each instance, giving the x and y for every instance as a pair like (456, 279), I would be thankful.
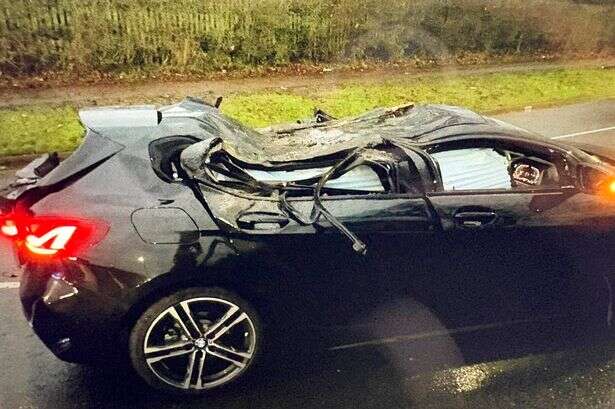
(302, 142)
(195, 158)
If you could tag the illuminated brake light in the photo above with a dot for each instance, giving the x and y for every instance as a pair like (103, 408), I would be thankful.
(612, 187)
(51, 242)
(52, 237)
(9, 228)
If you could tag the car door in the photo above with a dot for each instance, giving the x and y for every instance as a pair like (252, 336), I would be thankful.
(346, 296)
(502, 256)
(319, 278)
(392, 296)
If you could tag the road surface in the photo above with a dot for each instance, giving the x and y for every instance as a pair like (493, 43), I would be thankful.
(526, 371)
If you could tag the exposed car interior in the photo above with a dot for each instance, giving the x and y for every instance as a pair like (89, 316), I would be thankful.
(382, 169)
(269, 190)
(478, 168)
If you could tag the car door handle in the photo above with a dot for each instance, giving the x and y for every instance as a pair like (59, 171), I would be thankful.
(472, 219)
(262, 221)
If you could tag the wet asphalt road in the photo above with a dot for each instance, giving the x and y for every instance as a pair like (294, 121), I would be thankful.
(527, 367)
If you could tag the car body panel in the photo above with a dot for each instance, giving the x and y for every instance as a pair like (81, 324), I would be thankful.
(303, 275)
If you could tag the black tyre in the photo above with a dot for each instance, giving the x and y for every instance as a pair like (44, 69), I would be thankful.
(195, 340)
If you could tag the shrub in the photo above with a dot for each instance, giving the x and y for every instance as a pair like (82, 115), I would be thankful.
(194, 35)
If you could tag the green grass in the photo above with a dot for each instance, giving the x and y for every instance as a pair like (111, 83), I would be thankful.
(485, 93)
(38, 129)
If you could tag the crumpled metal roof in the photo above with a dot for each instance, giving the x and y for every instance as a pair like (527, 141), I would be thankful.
(300, 142)
(281, 144)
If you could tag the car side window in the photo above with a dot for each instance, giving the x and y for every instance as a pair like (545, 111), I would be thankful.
(497, 168)
(393, 175)
(373, 172)
(367, 178)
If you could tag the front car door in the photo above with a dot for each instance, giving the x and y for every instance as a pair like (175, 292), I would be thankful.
(503, 255)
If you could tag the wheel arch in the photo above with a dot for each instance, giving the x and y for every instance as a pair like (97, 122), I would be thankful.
(151, 291)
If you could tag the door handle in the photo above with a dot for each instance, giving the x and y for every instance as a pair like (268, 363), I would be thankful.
(262, 221)
(473, 219)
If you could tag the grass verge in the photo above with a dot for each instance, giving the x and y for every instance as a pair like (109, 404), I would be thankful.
(37, 129)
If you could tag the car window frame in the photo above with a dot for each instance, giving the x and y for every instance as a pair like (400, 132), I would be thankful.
(569, 176)
(378, 195)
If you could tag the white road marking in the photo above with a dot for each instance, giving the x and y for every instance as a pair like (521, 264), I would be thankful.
(5, 285)
(572, 135)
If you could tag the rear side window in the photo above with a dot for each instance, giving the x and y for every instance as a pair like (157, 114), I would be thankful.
(387, 170)
(383, 169)
(363, 178)
(165, 153)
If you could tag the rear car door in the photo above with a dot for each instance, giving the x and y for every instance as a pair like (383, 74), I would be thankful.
(354, 297)
(321, 277)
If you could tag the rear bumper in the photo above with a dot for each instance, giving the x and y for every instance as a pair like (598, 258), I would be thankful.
(74, 322)
(58, 335)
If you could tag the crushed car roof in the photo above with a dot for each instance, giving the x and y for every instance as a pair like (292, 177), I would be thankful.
(293, 142)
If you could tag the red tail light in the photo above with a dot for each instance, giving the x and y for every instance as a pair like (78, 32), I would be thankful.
(9, 228)
(53, 236)
(12, 225)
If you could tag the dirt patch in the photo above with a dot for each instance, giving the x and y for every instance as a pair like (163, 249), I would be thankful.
(158, 91)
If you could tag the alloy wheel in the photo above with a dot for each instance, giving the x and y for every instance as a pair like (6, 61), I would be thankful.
(200, 343)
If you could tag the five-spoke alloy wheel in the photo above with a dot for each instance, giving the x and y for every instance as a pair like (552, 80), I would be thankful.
(195, 340)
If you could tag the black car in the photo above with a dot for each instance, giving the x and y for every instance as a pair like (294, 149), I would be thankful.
(188, 241)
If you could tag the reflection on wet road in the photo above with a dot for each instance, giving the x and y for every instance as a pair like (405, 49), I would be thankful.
(495, 370)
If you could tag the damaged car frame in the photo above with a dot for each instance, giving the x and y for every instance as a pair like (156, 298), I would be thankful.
(187, 242)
